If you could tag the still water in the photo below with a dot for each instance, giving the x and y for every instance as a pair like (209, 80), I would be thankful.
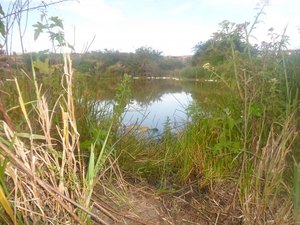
(153, 102)
(169, 107)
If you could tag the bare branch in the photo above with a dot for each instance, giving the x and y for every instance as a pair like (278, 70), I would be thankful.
(35, 7)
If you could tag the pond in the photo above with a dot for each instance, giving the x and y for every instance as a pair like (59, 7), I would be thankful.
(154, 101)
(170, 107)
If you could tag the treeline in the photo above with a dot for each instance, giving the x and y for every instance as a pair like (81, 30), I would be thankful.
(145, 61)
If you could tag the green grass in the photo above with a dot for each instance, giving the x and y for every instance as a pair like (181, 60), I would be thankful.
(243, 136)
(243, 131)
(296, 193)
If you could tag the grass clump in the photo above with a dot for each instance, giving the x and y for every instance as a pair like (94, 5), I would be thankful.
(244, 138)
(235, 147)
(44, 177)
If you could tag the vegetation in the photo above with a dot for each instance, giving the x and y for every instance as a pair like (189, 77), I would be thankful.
(237, 157)
(144, 62)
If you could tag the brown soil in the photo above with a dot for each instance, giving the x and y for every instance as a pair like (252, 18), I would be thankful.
(143, 205)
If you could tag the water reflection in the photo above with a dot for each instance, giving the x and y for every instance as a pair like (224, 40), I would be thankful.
(153, 116)
(152, 101)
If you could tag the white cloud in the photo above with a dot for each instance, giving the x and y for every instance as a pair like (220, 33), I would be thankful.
(115, 30)
(173, 35)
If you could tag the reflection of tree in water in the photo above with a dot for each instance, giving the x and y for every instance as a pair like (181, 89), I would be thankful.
(93, 88)
(146, 91)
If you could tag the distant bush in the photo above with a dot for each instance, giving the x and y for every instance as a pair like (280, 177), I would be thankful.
(194, 72)
(87, 67)
(144, 62)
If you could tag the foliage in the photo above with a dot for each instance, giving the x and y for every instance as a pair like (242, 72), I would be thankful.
(122, 98)
(193, 72)
(53, 173)
(144, 62)
(296, 193)
(243, 136)
(53, 26)
(2, 27)
(14, 20)
(87, 67)
(217, 50)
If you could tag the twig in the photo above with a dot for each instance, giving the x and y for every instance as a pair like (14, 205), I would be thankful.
(51, 190)
(117, 213)
(33, 8)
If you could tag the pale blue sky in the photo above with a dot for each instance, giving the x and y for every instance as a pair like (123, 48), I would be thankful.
(171, 26)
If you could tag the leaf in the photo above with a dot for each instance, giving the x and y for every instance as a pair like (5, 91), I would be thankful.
(101, 156)
(91, 167)
(39, 27)
(5, 203)
(2, 168)
(230, 122)
(217, 148)
(1, 11)
(51, 26)
(59, 37)
(85, 144)
(255, 110)
(71, 46)
(3, 165)
(57, 21)
(43, 16)
(37, 33)
(33, 136)
(235, 147)
(52, 35)
(2, 29)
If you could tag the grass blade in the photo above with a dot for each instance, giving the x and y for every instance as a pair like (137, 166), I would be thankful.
(4, 202)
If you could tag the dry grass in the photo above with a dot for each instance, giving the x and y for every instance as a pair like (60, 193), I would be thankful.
(266, 200)
(45, 178)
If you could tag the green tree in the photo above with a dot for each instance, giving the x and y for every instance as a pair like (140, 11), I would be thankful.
(218, 49)
(146, 61)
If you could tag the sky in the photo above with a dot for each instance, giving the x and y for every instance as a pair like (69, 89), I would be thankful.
(171, 26)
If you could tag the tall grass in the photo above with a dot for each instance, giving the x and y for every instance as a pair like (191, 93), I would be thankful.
(266, 133)
(244, 138)
(296, 193)
(43, 175)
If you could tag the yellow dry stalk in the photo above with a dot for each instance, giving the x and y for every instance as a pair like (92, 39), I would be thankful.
(19, 147)
(43, 115)
(45, 177)
(22, 105)
(260, 200)
(5, 204)
(65, 140)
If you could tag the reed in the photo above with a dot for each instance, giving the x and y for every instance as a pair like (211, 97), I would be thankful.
(44, 178)
(245, 138)
(296, 193)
